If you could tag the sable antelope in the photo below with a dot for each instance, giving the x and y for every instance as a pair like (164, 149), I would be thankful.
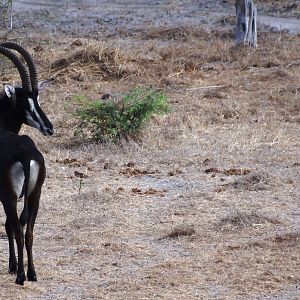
(22, 167)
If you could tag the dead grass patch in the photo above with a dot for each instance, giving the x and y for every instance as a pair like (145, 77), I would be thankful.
(178, 231)
(185, 33)
(149, 192)
(287, 239)
(73, 162)
(107, 63)
(252, 182)
(210, 94)
(228, 172)
(130, 172)
(240, 220)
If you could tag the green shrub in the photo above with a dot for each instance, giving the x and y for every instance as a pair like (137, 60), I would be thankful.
(117, 118)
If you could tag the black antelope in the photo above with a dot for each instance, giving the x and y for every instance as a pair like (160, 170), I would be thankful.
(22, 167)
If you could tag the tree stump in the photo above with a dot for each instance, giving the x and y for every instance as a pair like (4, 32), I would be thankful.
(246, 30)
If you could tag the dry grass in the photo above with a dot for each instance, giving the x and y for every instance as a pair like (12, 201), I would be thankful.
(147, 220)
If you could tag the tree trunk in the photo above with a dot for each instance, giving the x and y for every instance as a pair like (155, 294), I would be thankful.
(246, 31)
(6, 14)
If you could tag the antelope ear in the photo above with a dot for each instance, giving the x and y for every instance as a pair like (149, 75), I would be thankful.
(11, 94)
(43, 84)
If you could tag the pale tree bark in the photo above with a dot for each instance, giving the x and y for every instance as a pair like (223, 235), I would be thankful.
(246, 30)
(6, 14)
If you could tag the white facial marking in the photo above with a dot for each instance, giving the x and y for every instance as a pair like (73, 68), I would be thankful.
(36, 124)
(31, 104)
(31, 122)
(16, 175)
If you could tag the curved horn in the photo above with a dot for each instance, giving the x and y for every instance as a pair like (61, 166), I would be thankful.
(21, 68)
(28, 59)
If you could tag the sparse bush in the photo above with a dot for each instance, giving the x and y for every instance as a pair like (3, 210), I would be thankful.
(119, 117)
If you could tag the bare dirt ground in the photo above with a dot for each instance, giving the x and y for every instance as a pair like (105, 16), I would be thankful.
(206, 205)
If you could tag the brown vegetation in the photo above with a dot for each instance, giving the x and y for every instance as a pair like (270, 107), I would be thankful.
(204, 206)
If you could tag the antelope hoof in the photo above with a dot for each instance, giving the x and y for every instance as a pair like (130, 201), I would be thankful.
(31, 276)
(12, 268)
(20, 279)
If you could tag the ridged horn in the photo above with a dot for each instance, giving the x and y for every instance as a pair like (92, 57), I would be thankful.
(21, 68)
(28, 59)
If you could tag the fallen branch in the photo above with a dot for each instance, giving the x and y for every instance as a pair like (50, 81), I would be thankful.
(207, 87)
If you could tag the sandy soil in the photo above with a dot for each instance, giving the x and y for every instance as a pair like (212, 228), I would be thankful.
(206, 204)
